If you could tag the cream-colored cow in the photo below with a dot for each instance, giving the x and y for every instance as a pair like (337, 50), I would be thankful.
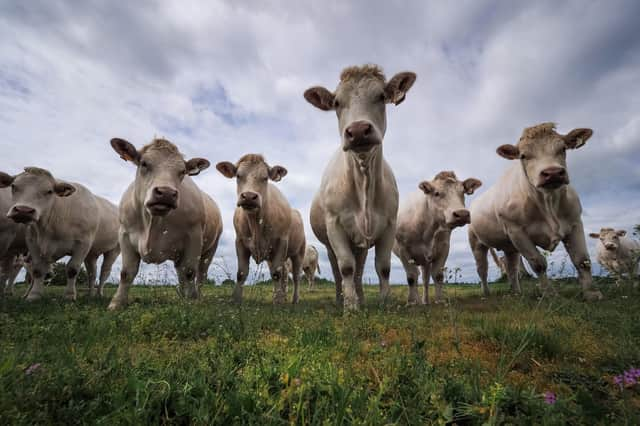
(357, 203)
(533, 205)
(267, 228)
(425, 222)
(618, 253)
(63, 219)
(165, 216)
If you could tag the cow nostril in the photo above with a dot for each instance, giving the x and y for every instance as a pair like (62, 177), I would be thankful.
(367, 130)
(348, 133)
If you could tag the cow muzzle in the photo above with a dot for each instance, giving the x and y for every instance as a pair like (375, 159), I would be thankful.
(610, 246)
(460, 218)
(249, 200)
(553, 177)
(360, 136)
(163, 199)
(22, 214)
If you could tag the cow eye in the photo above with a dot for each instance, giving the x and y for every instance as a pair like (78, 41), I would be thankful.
(523, 157)
(336, 104)
(381, 97)
(437, 194)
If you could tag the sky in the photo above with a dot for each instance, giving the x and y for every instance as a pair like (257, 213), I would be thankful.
(221, 79)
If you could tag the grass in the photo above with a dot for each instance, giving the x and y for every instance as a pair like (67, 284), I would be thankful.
(473, 361)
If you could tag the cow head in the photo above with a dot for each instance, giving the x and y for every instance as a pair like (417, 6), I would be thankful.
(252, 175)
(609, 237)
(360, 101)
(33, 193)
(161, 169)
(445, 195)
(543, 154)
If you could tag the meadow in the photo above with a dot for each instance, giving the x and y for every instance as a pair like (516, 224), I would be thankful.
(506, 359)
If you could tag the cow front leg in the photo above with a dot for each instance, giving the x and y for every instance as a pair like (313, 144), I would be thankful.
(383, 261)
(361, 257)
(528, 250)
(130, 266)
(243, 254)
(346, 263)
(575, 244)
(337, 277)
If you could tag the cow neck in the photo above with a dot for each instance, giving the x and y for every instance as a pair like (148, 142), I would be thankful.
(150, 224)
(366, 173)
(548, 203)
(48, 222)
(258, 228)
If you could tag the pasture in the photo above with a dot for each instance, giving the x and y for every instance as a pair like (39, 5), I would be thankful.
(473, 361)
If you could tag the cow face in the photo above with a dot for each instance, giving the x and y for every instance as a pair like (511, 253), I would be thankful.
(610, 238)
(33, 193)
(446, 197)
(543, 154)
(161, 168)
(252, 175)
(359, 102)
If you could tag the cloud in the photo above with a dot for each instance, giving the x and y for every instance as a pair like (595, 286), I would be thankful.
(221, 79)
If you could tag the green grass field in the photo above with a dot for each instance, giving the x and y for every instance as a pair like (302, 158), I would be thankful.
(473, 361)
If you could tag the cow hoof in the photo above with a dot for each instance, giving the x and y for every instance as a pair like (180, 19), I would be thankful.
(593, 295)
(33, 296)
(351, 306)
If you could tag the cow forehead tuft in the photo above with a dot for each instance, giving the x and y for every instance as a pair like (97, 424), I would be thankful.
(160, 145)
(446, 175)
(37, 171)
(607, 230)
(251, 159)
(355, 73)
(533, 134)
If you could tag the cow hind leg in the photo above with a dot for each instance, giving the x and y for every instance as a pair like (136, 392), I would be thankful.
(90, 265)
(512, 261)
(108, 259)
(479, 251)
(296, 267)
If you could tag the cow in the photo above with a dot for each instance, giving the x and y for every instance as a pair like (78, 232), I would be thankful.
(164, 216)
(533, 205)
(62, 219)
(266, 226)
(310, 265)
(12, 244)
(425, 222)
(356, 206)
(617, 253)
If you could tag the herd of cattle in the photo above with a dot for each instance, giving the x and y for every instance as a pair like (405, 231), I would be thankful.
(164, 215)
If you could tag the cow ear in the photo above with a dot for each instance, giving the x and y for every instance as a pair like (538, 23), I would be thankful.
(470, 185)
(196, 165)
(396, 89)
(426, 187)
(126, 150)
(594, 235)
(577, 137)
(5, 180)
(276, 173)
(621, 233)
(64, 189)
(227, 169)
(510, 152)
(320, 97)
